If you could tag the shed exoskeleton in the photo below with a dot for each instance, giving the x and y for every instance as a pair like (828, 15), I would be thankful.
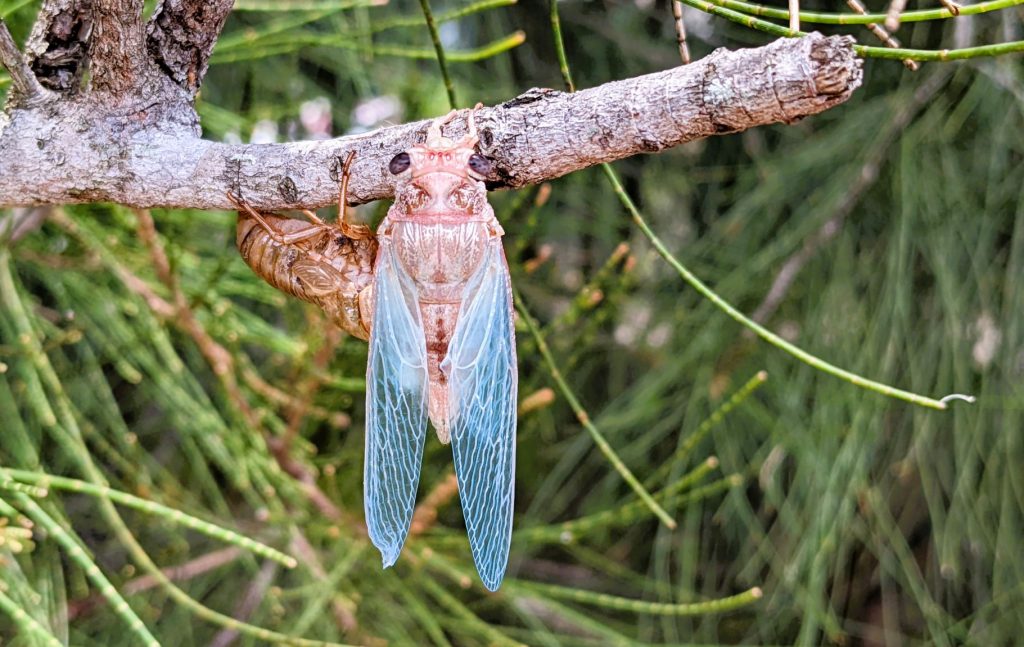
(327, 264)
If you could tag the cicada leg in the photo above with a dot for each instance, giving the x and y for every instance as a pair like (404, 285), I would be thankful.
(315, 219)
(306, 233)
(471, 122)
(434, 129)
(348, 229)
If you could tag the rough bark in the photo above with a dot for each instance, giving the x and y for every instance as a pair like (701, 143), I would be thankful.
(57, 47)
(117, 38)
(133, 138)
(181, 36)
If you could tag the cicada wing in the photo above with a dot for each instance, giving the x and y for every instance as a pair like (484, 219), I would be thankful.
(317, 278)
(483, 380)
(396, 408)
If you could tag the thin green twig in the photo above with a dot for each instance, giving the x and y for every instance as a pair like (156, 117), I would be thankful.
(483, 52)
(981, 51)
(862, 50)
(449, 85)
(584, 418)
(633, 512)
(448, 601)
(28, 625)
(6, 510)
(152, 507)
(758, 329)
(707, 425)
(296, 42)
(617, 603)
(863, 19)
(74, 551)
(563, 61)
(447, 16)
(710, 294)
(279, 6)
(69, 435)
(281, 27)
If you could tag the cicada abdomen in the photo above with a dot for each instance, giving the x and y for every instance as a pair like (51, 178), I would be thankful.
(442, 347)
(327, 264)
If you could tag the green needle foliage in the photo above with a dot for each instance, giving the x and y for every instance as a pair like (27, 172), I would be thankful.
(679, 480)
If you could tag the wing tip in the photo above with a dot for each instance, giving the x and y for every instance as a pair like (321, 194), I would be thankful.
(389, 554)
(492, 581)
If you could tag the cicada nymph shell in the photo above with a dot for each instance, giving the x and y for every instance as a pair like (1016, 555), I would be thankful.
(327, 264)
(442, 347)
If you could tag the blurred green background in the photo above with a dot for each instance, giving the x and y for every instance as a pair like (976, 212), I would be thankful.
(864, 520)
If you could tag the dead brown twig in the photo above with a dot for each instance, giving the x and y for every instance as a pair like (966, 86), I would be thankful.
(181, 573)
(425, 515)
(249, 602)
(222, 363)
(308, 386)
(882, 34)
(255, 381)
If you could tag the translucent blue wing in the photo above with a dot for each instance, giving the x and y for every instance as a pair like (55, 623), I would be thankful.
(482, 379)
(396, 408)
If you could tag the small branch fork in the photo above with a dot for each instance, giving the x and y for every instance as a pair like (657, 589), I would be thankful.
(26, 85)
(131, 135)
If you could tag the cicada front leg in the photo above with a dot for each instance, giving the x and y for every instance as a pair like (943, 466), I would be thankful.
(348, 229)
(315, 228)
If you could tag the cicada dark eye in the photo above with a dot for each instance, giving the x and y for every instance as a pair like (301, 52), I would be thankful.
(480, 165)
(399, 163)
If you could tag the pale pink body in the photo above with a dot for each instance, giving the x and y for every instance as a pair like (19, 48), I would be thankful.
(439, 228)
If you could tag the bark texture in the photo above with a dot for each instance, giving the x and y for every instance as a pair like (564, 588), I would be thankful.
(57, 47)
(181, 36)
(133, 137)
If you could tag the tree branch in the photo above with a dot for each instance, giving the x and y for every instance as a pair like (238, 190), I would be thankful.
(26, 87)
(180, 37)
(148, 154)
(116, 47)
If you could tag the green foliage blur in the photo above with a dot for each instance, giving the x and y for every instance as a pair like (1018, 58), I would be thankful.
(864, 520)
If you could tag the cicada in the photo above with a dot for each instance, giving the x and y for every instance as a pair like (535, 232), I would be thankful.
(442, 347)
(327, 264)
(438, 312)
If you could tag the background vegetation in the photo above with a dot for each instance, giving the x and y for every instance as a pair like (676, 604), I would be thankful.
(864, 520)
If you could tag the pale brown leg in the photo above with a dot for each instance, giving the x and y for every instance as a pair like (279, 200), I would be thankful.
(275, 235)
(434, 130)
(471, 121)
(349, 230)
(315, 219)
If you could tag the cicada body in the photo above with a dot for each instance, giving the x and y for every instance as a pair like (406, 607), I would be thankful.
(327, 264)
(442, 347)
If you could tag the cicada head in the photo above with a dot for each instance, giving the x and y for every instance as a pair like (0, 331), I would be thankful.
(442, 176)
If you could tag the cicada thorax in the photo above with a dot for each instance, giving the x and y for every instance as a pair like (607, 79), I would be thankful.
(440, 226)
(327, 268)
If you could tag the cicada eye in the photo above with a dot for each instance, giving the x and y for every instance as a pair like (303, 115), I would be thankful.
(399, 163)
(480, 165)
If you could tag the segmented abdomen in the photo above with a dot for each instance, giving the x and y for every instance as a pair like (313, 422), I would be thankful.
(271, 260)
